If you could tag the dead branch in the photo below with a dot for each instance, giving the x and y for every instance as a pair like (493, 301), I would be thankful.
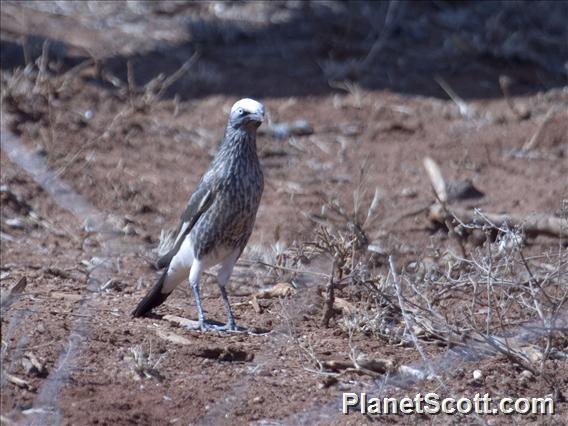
(172, 337)
(14, 293)
(436, 178)
(505, 84)
(535, 138)
(330, 296)
(278, 290)
(441, 192)
(178, 74)
(465, 110)
(406, 317)
(182, 322)
(535, 224)
(21, 383)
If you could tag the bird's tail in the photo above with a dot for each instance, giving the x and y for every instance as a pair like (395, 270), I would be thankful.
(155, 297)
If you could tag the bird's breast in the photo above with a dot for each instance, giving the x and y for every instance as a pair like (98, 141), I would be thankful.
(228, 223)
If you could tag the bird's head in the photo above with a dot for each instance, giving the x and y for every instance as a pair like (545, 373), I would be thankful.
(246, 114)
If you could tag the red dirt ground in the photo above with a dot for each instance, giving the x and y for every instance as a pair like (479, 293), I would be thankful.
(138, 164)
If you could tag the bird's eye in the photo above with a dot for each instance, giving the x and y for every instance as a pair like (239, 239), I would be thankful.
(242, 112)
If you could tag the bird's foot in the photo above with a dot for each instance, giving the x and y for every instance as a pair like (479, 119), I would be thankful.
(224, 328)
(208, 326)
(231, 326)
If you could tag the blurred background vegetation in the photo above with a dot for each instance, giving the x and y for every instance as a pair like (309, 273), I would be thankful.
(296, 48)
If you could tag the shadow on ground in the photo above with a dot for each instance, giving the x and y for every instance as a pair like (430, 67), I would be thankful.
(284, 49)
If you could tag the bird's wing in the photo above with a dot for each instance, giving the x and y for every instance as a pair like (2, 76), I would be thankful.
(198, 204)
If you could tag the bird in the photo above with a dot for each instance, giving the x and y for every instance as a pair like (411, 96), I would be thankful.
(219, 218)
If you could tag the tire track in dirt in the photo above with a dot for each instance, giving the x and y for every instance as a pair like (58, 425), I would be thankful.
(45, 405)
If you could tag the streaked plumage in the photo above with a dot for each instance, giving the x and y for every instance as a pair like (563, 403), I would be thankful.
(219, 218)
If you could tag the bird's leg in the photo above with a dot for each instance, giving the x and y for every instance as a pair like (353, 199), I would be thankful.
(194, 276)
(231, 324)
(200, 316)
(222, 279)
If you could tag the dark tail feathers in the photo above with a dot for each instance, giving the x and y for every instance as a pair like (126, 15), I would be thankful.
(154, 298)
(167, 258)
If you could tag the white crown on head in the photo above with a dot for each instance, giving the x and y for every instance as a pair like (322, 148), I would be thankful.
(249, 105)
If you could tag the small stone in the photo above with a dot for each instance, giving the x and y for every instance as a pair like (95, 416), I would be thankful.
(258, 400)
(16, 223)
(408, 192)
(41, 151)
(525, 376)
(477, 375)
(328, 382)
(129, 230)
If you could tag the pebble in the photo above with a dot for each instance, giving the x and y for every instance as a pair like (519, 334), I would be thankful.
(477, 375)
(525, 376)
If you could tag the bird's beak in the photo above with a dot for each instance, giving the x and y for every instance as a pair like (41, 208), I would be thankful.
(256, 117)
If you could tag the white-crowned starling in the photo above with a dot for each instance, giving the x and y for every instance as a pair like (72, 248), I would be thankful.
(219, 218)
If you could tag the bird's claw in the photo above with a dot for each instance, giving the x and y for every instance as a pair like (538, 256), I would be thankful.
(205, 326)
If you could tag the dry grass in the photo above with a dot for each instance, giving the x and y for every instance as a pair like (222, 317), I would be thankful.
(485, 301)
(145, 365)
